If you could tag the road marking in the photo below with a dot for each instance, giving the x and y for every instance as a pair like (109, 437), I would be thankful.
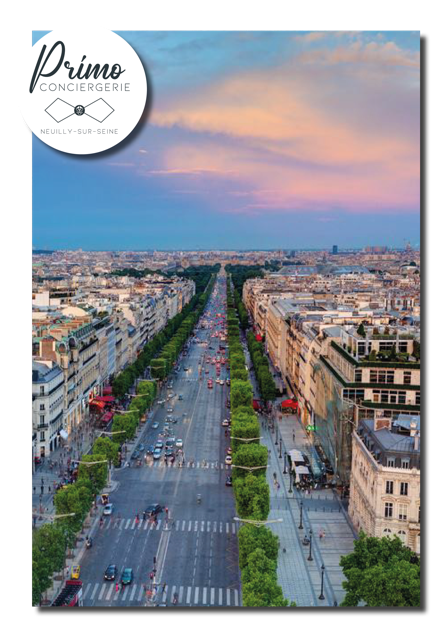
(116, 594)
(109, 593)
(220, 527)
(183, 525)
(196, 525)
(128, 522)
(103, 588)
(181, 593)
(229, 604)
(133, 525)
(134, 588)
(220, 597)
(159, 524)
(212, 596)
(233, 527)
(204, 595)
(236, 598)
(146, 525)
(196, 595)
(202, 526)
(95, 588)
(215, 527)
(189, 525)
(188, 595)
(227, 527)
(209, 526)
(165, 595)
(125, 593)
(140, 593)
(173, 591)
(87, 590)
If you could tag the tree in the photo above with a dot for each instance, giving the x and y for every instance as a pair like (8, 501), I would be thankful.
(250, 455)
(251, 538)
(95, 473)
(105, 448)
(381, 572)
(361, 330)
(252, 497)
(48, 557)
(158, 368)
(240, 394)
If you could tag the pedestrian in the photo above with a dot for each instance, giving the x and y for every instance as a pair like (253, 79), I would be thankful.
(293, 436)
(34, 489)
(49, 489)
(117, 587)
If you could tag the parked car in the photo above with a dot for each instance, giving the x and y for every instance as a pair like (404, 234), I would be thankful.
(155, 425)
(228, 459)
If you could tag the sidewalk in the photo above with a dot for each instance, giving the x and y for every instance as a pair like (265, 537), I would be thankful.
(299, 577)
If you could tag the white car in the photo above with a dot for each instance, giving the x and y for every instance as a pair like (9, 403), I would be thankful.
(170, 410)
(155, 425)
(228, 459)
(108, 509)
(179, 443)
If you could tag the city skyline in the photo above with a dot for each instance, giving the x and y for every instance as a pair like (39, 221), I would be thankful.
(294, 140)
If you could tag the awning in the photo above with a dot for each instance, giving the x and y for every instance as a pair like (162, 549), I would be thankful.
(107, 391)
(290, 404)
(97, 403)
(107, 416)
(302, 471)
(105, 398)
(63, 433)
(296, 455)
(259, 337)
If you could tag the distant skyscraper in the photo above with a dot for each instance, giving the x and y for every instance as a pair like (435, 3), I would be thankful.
(335, 249)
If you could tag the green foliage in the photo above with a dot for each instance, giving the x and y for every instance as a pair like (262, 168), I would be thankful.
(251, 538)
(105, 448)
(240, 394)
(381, 572)
(48, 552)
(96, 474)
(252, 497)
(250, 455)
(361, 330)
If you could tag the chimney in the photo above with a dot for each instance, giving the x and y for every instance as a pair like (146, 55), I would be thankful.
(416, 441)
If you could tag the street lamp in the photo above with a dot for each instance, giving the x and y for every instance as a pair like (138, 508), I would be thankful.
(290, 482)
(257, 523)
(310, 557)
(280, 449)
(284, 464)
(322, 597)
(236, 466)
(301, 510)
(276, 434)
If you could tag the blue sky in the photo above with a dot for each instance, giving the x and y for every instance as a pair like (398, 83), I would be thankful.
(254, 140)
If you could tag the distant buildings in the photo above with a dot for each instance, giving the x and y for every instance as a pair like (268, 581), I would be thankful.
(335, 250)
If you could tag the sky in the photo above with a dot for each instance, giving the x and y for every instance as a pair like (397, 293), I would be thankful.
(254, 140)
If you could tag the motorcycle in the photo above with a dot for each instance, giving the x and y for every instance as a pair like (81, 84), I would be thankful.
(199, 498)
(88, 543)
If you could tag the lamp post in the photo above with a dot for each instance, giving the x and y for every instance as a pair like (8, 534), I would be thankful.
(280, 449)
(322, 597)
(290, 482)
(310, 557)
(276, 434)
(301, 511)
(284, 464)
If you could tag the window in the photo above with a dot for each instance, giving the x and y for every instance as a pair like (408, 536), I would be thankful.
(403, 512)
(389, 486)
(42, 391)
(42, 407)
(391, 462)
(402, 397)
(376, 396)
(381, 377)
(419, 514)
(390, 377)
(417, 397)
(358, 375)
(393, 397)
(388, 509)
(373, 375)
(403, 348)
(385, 396)
(405, 465)
(387, 532)
(402, 536)
(42, 419)
(42, 436)
(361, 348)
(407, 377)
(403, 489)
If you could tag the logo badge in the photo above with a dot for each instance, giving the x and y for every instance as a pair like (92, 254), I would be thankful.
(84, 92)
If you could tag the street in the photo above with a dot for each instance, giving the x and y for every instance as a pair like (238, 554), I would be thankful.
(194, 544)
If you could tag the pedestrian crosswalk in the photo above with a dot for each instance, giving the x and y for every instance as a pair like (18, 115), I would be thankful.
(188, 464)
(187, 526)
(101, 594)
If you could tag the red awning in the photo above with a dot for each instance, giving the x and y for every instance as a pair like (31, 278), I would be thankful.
(259, 337)
(107, 416)
(106, 399)
(97, 403)
(255, 404)
(290, 404)
(107, 391)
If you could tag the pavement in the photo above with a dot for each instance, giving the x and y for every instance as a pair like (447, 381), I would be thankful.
(194, 545)
(322, 513)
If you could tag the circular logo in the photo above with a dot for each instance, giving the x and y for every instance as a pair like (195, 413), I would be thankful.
(83, 93)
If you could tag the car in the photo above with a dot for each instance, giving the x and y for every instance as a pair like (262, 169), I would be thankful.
(228, 481)
(108, 509)
(150, 450)
(221, 382)
(170, 442)
(75, 572)
(225, 423)
(111, 572)
(179, 443)
(169, 451)
(157, 453)
(169, 419)
(228, 459)
(141, 447)
(135, 455)
(186, 368)
(170, 410)
(180, 396)
(159, 444)
(161, 401)
(155, 425)
(153, 509)
(170, 395)
(127, 576)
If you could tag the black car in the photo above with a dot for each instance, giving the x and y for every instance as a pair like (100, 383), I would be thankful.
(229, 481)
(153, 509)
(135, 455)
(141, 447)
(150, 449)
(111, 572)
(169, 451)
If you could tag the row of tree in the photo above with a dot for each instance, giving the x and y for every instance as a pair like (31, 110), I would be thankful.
(265, 380)
(258, 546)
